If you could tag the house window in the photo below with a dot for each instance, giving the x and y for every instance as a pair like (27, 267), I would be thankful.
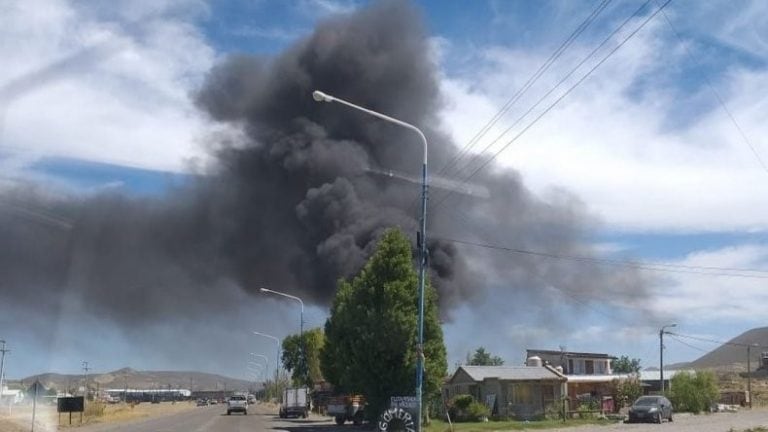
(601, 367)
(570, 366)
(520, 394)
(590, 367)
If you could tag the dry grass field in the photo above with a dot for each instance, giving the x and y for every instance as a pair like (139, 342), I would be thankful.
(46, 418)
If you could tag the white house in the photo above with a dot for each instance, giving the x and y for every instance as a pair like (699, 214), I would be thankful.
(8, 396)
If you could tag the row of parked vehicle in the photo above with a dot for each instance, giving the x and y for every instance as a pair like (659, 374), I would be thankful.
(206, 402)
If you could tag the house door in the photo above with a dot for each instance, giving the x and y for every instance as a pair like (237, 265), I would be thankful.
(589, 365)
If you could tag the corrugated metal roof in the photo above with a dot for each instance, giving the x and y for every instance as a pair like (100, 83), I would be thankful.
(520, 373)
(653, 375)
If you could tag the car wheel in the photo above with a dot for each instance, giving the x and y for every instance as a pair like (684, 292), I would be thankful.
(245, 412)
(339, 420)
(357, 420)
(670, 417)
(658, 418)
(229, 412)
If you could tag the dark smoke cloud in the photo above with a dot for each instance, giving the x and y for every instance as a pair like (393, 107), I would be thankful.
(295, 205)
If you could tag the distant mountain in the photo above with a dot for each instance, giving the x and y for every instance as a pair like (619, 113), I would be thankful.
(134, 379)
(675, 366)
(732, 355)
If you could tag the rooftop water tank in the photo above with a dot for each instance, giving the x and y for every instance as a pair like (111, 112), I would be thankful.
(534, 361)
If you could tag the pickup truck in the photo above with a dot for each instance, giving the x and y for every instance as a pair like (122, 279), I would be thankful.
(347, 408)
(237, 403)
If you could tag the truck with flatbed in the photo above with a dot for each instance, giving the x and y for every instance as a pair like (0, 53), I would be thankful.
(346, 408)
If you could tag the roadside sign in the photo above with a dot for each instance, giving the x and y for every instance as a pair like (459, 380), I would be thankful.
(407, 403)
(70, 404)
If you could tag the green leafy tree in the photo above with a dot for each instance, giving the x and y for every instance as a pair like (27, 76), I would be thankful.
(481, 357)
(693, 392)
(626, 365)
(371, 334)
(305, 370)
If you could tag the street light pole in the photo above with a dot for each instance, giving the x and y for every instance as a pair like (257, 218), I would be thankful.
(266, 360)
(258, 367)
(301, 321)
(277, 356)
(422, 238)
(3, 352)
(749, 374)
(661, 355)
(85, 379)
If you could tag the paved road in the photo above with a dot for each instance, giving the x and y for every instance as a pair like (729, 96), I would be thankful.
(215, 418)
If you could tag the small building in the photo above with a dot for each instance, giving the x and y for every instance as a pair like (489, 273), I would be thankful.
(11, 396)
(523, 392)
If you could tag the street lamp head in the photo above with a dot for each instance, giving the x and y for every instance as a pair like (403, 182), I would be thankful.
(321, 97)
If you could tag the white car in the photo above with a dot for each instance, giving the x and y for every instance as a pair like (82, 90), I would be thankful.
(237, 403)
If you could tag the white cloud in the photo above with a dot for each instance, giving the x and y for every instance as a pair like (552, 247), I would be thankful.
(610, 140)
(112, 89)
(706, 299)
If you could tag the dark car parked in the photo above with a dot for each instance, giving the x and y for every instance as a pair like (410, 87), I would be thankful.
(650, 409)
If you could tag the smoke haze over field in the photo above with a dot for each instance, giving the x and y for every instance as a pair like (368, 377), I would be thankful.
(293, 204)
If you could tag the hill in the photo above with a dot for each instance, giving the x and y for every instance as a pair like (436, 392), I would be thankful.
(130, 378)
(731, 356)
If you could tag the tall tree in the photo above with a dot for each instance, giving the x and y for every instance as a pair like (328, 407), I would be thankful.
(304, 370)
(371, 334)
(626, 365)
(481, 357)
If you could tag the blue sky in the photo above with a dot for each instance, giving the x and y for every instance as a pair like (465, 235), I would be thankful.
(643, 143)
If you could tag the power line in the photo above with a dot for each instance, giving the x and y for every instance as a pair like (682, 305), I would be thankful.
(567, 92)
(687, 344)
(559, 83)
(520, 92)
(641, 265)
(701, 339)
(529, 83)
(717, 94)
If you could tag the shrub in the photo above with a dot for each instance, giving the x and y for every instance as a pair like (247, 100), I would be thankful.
(554, 410)
(477, 411)
(464, 408)
(462, 402)
(693, 392)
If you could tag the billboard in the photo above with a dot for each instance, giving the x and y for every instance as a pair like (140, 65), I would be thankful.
(70, 404)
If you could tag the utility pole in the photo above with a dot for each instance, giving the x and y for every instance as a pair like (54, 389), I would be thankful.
(749, 375)
(3, 351)
(85, 378)
(661, 355)
(34, 404)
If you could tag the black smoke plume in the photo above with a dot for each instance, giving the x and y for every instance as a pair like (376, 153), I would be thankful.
(296, 202)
